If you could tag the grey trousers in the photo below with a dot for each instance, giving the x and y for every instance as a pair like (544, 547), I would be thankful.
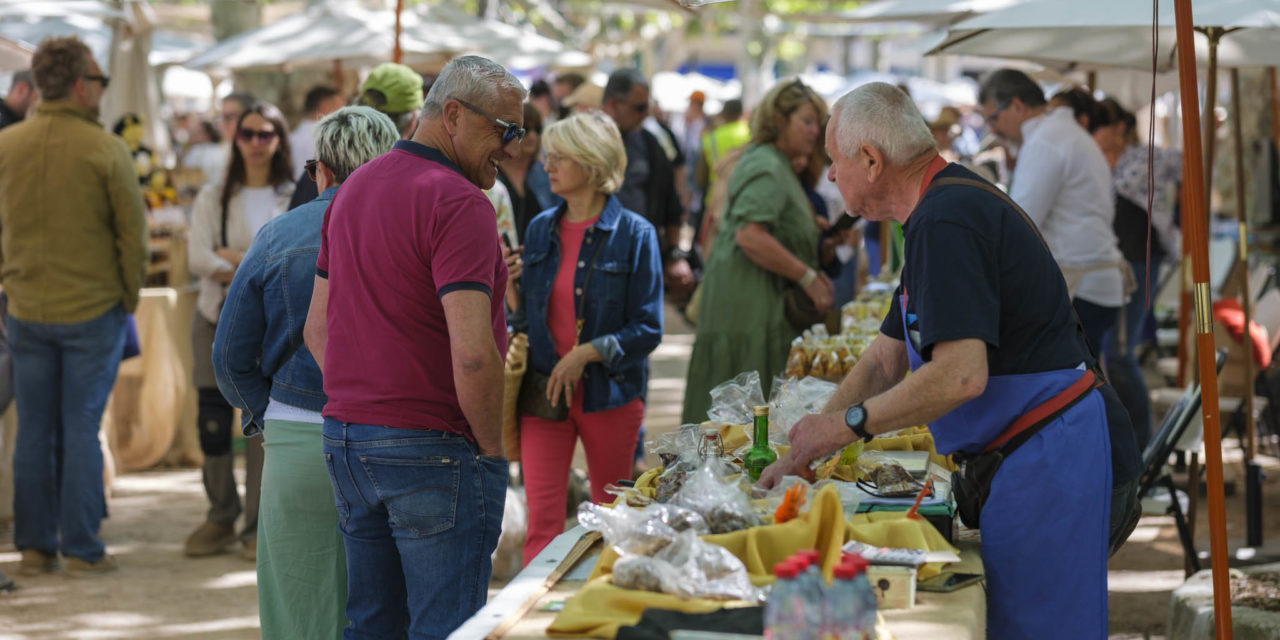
(215, 422)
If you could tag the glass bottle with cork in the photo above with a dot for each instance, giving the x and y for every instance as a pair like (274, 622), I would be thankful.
(760, 455)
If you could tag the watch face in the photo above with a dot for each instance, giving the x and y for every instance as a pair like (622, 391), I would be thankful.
(855, 416)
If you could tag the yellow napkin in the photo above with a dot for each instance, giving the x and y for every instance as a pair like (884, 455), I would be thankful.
(895, 529)
(599, 608)
(912, 439)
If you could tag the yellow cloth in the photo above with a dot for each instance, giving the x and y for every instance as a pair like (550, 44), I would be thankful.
(599, 608)
(913, 439)
(73, 228)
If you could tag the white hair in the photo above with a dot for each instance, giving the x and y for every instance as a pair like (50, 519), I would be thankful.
(352, 136)
(881, 115)
(477, 80)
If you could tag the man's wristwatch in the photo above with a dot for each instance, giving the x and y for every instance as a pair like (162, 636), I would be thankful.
(675, 253)
(856, 419)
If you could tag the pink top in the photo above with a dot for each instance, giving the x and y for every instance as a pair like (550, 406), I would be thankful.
(561, 310)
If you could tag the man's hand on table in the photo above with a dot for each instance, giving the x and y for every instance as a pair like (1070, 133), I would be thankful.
(813, 437)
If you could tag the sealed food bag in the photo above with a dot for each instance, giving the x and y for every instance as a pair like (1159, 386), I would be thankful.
(885, 476)
(670, 446)
(640, 531)
(790, 400)
(797, 360)
(731, 401)
(689, 568)
(724, 504)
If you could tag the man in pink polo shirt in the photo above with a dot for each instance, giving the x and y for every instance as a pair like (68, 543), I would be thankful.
(407, 324)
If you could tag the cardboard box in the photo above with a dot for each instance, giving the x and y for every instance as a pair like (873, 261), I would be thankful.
(895, 587)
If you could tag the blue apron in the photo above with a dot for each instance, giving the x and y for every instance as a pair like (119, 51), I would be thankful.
(1046, 520)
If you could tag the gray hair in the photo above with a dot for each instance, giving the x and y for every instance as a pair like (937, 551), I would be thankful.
(352, 136)
(881, 115)
(472, 78)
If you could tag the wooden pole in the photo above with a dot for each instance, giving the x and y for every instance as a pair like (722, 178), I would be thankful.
(1197, 235)
(1091, 80)
(1275, 105)
(1242, 256)
(397, 54)
(337, 75)
(1211, 124)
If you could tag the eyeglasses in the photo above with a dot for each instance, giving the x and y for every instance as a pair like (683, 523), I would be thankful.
(310, 166)
(510, 130)
(995, 115)
(249, 135)
(554, 159)
(641, 108)
(105, 80)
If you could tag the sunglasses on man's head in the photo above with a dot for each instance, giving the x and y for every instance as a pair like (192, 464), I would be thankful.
(510, 130)
(105, 80)
(263, 136)
(310, 166)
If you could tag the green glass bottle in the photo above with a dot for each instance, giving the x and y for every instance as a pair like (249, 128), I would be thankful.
(760, 455)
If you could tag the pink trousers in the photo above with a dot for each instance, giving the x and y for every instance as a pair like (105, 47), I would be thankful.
(546, 455)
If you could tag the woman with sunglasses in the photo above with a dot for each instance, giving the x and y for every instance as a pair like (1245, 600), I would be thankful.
(224, 221)
(592, 294)
(525, 177)
(768, 242)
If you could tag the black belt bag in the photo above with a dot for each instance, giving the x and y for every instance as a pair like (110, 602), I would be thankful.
(971, 483)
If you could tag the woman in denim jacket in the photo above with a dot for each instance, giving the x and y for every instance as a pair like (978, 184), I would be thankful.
(263, 369)
(600, 370)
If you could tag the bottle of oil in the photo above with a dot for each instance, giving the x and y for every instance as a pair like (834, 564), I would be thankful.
(760, 455)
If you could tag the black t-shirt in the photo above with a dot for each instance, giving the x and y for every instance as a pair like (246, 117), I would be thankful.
(1130, 226)
(976, 269)
(303, 192)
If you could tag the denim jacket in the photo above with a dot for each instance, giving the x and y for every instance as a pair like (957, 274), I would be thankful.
(622, 309)
(257, 350)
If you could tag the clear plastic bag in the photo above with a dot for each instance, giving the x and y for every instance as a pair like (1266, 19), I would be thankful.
(732, 401)
(886, 476)
(791, 399)
(725, 505)
(670, 446)
(689, 567)
(640, 531)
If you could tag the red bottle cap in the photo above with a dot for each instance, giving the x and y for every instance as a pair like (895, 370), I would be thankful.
(785, 570)
(858, 563)
(845, 572)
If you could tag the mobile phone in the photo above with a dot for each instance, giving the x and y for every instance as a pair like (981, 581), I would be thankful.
(949, 581)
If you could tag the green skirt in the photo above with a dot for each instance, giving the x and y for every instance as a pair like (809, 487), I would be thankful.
(302, 565)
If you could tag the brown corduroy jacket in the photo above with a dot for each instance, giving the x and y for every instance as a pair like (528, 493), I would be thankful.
(73, 228)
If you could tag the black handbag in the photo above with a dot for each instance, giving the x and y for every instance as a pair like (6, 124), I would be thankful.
(533, 399)
(799, 309)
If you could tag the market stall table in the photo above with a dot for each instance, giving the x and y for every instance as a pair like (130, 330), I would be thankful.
(957, 615)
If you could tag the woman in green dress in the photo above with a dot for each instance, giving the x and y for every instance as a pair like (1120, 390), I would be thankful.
(768, 240)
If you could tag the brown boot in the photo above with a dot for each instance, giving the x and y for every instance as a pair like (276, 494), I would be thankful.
(36, 562)
(209, 539)
(78, 567)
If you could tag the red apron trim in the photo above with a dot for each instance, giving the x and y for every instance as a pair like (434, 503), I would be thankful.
(1087, 382)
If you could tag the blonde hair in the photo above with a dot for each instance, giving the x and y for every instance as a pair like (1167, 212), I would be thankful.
(783, 100)
(592, 140)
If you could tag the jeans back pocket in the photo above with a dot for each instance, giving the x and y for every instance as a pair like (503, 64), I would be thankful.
(420, 494)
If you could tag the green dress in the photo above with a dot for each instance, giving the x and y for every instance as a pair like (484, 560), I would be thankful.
(741, 325)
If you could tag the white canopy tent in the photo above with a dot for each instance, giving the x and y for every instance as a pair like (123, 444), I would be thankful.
(1110, 34)
(15, 55)
(323, 33)
(936, 13)
(512, 46)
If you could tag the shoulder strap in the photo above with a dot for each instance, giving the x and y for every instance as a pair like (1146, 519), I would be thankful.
(995, 191)
(225, 205)
(582, 299)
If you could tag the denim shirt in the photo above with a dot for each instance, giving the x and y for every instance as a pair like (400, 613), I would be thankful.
(257, 350)
(622, 308)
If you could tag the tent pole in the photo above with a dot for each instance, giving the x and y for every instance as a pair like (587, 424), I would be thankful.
(397, 54)
(1275, 105)
(1197, 235)
(1246, 298)
(1091, 81)
(1211, 123)
(337, 75)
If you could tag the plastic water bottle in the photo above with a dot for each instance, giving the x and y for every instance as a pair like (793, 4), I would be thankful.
(784, 610)
(841, 612)
(865, 597)
(815, 589)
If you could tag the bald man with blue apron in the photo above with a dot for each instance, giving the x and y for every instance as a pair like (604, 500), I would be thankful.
(1044, 441)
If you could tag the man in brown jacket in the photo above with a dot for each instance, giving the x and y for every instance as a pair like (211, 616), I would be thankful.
(73, 253)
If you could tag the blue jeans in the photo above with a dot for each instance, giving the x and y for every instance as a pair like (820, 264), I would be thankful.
(420, 514)
(1122, 364)
(63, 374)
